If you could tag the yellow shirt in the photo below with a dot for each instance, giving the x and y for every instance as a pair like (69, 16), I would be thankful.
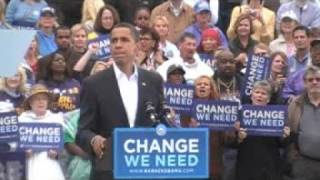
(262, 32)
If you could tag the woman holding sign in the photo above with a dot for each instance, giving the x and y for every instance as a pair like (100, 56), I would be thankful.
(42, 164)
(206, 89)
(259, 157)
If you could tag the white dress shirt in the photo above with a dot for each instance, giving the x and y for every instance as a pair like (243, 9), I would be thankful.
(129, 92)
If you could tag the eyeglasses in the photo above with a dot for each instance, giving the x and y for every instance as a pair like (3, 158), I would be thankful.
(310, 80)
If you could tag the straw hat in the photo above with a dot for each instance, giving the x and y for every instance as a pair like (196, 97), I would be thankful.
(36, 89)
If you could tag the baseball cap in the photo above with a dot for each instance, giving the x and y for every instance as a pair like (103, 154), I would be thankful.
(201, 6)
(47, 11)
(175, 67)
(289, 15)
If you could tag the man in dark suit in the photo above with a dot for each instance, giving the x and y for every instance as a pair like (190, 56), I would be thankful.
(116, 97)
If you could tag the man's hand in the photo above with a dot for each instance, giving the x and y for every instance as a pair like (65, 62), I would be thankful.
(98, 144)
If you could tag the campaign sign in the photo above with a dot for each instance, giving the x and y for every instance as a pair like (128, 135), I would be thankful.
(179, 97)
(217, 115)
(208, 59)
(40, 136)
(13, 166)
(258, 69)
(103, 42)
(161, 153)
(264, 120)
(8, 126)
(14, 45)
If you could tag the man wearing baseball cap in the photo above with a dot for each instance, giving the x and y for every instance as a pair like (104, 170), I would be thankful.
(45, 36)
(284, 42)
(203, 19)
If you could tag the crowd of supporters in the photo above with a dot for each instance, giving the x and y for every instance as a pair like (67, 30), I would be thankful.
(204, 43)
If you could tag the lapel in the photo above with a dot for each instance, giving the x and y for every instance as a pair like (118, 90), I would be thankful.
(142, 86)
(116, 97)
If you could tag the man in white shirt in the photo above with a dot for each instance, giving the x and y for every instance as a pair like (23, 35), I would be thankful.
(188, 59)
(116, 97)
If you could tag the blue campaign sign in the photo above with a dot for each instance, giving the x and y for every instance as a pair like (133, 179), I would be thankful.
(40, 136)
(208, 59)
(217, 115)
(13, 45)
(258, 69)
(12, 166)
(179, 97)
(161, 153)
(8, 126)
(264, 120)
(103, 42)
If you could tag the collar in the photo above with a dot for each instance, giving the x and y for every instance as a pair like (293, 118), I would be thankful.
(193, 65)
(174, 10)
(240, 46)
(305, 57)
(119, 74)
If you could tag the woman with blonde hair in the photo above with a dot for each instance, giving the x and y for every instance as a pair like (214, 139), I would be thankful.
(90, 9)
(12, 91)
(205, 89)
(161, 25)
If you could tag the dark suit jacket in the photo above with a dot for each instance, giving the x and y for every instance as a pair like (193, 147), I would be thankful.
(102, 110)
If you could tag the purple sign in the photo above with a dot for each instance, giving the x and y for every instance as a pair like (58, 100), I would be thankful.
(217, 115)
(13, 166)
(179, 97)
(208, 59)
(264, 120)
(40, 136)
(8, 126)
(103, 42)
(258, 69)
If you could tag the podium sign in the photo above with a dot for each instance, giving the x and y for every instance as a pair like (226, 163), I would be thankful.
(161, 153)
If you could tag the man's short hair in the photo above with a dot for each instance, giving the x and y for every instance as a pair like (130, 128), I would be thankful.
(301, 28)
(186, 35)
(132, 29)
(311, 70)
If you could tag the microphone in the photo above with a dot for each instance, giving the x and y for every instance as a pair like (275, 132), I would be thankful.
(151, 112)
(166, 115)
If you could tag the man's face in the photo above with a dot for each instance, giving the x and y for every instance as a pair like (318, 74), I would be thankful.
(123, 46)
(188, 48)
(315, 55)
(47, 21)
(312, 83)
(63, 38)
(300, 39)
(203, 17)
(79, 39)
(226, 66)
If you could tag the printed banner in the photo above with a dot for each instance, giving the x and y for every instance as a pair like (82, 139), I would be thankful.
(14, 45)
(208, 59)
(13, 166)
(264, 120)
(103, 42)
(218, 115)
(161, 153)
(179, 97)
(8, 127)
(40, 136)
(258, 69)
